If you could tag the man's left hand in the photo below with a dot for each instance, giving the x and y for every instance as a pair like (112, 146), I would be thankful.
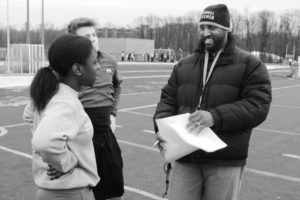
(199, 120)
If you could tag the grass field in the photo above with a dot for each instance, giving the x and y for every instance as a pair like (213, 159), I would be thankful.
(274, 157)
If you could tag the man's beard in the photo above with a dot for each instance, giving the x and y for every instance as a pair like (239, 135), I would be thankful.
(214, 45)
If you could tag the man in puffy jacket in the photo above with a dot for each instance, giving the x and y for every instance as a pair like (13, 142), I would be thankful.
(224, 88)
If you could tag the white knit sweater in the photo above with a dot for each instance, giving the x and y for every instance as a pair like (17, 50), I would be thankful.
(62, 138)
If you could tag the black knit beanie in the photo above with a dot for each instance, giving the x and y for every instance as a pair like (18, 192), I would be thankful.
(217, 15)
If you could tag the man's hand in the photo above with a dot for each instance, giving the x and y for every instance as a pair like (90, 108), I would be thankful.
(53, 173)
(199, 120)
(113, 123)
(160, 143)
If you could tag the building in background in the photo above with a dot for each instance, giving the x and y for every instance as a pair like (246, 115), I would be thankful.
(130, 46)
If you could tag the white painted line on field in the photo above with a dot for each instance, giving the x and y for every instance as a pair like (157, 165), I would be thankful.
(146, 194)
(281, 70)
(288, 178)
(16, 152)
(136, 108)
(131, 189)
(137, 113)
(138, 145)
(264, 173)
(282, 106)
(276, 131)
(148, 131)
(14, 125)
(13, 104)
(143, 71)
(287, 87)
(259, 129)
(3, 131)
(291, 156)
(138, 93)
(138, 77)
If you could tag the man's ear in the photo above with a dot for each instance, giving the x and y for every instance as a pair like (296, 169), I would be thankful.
(76, 69)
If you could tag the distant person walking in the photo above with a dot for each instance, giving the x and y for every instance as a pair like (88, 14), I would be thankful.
(152, 56)
(100, 103)
(122, 56)
(290, 61)
(64, 165)
(132, 58)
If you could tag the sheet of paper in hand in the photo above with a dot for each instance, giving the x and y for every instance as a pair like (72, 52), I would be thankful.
(180, 142)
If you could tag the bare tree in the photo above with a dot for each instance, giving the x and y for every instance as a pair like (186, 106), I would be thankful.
(249, 24)
(266, 22)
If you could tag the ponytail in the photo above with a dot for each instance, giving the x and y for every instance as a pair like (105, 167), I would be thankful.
(43, 87)
(62, 54)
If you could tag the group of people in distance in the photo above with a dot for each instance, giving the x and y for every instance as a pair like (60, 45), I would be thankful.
(73, 111)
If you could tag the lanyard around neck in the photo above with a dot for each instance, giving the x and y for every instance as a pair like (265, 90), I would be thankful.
(205, 75)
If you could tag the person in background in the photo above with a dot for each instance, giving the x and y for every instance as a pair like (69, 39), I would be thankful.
(100, 103)
(122, 56)
(64, 165)
(224, 88)
(290, 61)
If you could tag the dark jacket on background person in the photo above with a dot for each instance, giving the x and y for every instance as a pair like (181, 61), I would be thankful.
(107, 88)
(238, 95)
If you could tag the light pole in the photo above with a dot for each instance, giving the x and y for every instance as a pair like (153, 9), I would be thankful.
(298, 45)
(298, 41)
(28, 25)
(43, 33)
(42, 26)
(8, 39)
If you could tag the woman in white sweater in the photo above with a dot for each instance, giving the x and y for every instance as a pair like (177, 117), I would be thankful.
(64, 165)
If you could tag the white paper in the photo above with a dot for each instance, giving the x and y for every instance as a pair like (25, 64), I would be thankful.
(180, 142)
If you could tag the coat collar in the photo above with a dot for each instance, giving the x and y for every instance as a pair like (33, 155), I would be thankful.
(226, 57)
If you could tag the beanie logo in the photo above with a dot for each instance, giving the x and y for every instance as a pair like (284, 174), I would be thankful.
(210, 15)
(109, 71)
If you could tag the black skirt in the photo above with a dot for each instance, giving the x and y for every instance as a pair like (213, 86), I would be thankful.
(108, 155)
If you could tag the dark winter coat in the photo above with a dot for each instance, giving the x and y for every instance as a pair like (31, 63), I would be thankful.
(238, 95)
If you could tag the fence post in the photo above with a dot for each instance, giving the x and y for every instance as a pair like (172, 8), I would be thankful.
(298, 73)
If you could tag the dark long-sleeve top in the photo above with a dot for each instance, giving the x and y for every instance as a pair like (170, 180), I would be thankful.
(107, 88)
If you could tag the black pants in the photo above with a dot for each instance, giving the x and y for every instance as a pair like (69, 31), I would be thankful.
(108, 155)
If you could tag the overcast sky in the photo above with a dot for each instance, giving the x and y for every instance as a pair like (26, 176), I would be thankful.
(122, 12)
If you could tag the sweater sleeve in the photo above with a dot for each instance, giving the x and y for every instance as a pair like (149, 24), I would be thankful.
(50, 139)
(117, 80)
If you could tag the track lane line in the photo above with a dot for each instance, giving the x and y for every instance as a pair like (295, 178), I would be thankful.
(141, 192)
(14, 125)
(136, 108)
(286, 87)
(291, 156)
(138, 145)
(283, 106)
(131, 189)
(137, 113)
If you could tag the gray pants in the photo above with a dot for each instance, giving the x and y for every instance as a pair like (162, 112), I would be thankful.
(208, 182)
(67, 194)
